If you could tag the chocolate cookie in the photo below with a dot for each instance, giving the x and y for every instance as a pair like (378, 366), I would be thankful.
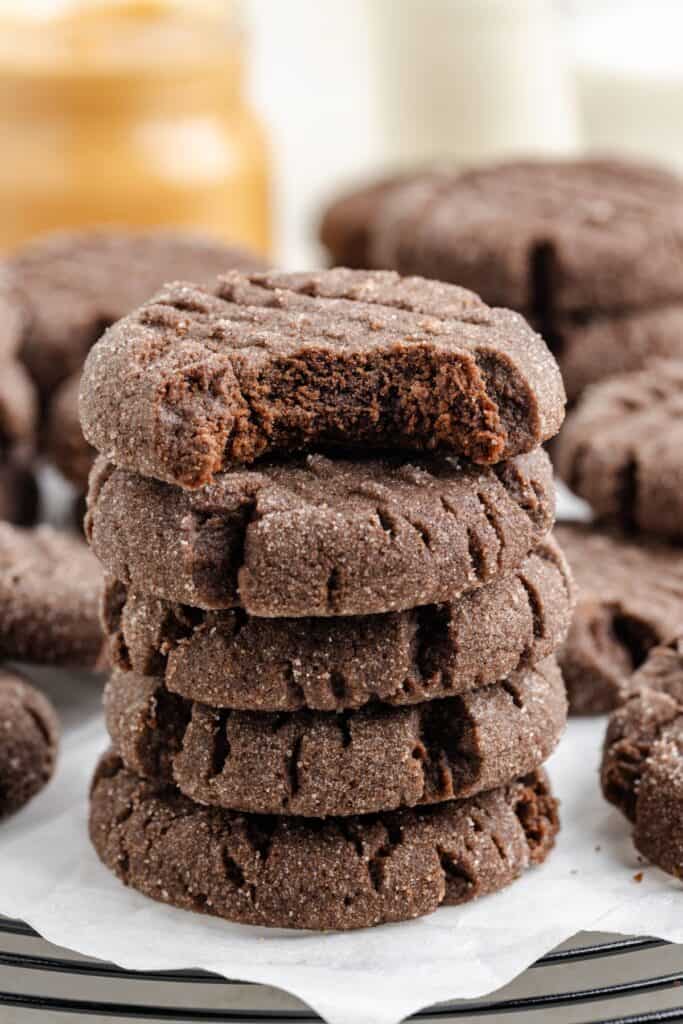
(594, 349)
(315, 536)
(334, 875)
(320, 763)
(642, 774)
(64, 441)
(630, 598)
(29, 737)
(662, 671)
(50, 587)
(229, 659)
(552, 236)
(199, 380)
(75, 285)
(621, 449)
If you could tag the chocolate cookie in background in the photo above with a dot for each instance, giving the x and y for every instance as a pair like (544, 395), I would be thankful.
(588, 249)
(50, 592)
(29, 738)
(68, 288)
(630, 599)
(642, 764)
(330, 874)
(621, 450)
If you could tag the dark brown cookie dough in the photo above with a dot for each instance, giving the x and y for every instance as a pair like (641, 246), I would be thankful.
(50, 587)
(630, 598)
(64, 442)
(199, 380)
(596, 348)
(316, 536)
(620, 450)
(300, 873)
(320, 764)
(642, 774)
(29, 737)
(550, 236)
(75, 284)
(229, 659)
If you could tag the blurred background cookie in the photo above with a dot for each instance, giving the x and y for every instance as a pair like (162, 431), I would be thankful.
(29, 737)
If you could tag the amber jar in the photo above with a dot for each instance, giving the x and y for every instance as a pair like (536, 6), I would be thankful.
(128, 113)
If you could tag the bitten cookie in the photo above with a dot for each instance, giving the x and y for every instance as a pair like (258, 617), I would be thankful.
(29, 737)
(630, 598)
(73, 285)
(549, 236)
(620, 450)
(318, 764)
(295, 873)
(50, 589)
(199, 380)
(229, 659)
(316, 536)
(642, 774)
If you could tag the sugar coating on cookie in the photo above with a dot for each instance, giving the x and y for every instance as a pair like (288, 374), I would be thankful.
(630, 598)
(316, 536)
(74, 284)
(229, 659)
(620, 449)
(339, 874)
(29, 737)
(50, 590)
(202, 379)
(642, 772)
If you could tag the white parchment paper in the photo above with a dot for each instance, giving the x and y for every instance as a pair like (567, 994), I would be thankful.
(51, 878)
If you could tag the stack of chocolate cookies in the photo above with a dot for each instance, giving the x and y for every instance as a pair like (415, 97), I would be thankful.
(18, 414)
(333, 598)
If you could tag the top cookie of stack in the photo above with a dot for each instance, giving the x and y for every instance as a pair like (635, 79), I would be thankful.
(317, 494)
(589, 250)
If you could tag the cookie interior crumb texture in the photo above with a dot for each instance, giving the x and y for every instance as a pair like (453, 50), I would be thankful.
(200, 379)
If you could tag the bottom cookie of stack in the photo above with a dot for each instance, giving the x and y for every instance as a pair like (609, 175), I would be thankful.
(336, 874)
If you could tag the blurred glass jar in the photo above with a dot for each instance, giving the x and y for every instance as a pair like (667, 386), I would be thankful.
(128, 112)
